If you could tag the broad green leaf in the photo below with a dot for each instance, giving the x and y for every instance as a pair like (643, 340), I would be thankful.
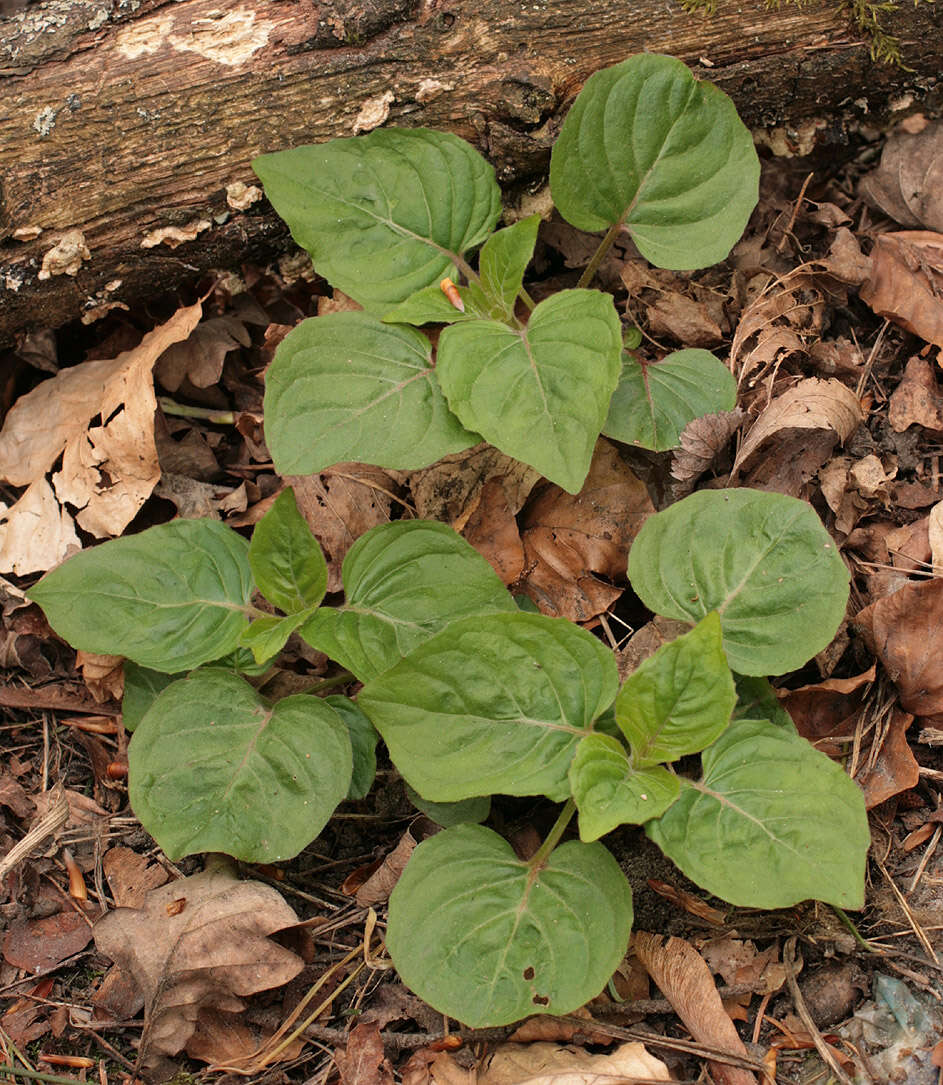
(170, 598)
(678, 700)
(771, 822)
(384, 214)
(501, 265)
(609, 792)
(344, 386)
(285, 558)
(648, 145)
(540, 394)
(404, 582)
(447, 814)
(266, 637)
(363, 741)
(654, 401)
(215, 768)
(762, 560)
(757, 700)
(494, 703)
(483, 938)
(431, 306)
(240, 661)
(141, 686)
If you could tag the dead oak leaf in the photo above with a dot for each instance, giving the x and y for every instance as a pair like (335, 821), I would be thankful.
(198, 943)
(99, 417)
(570, 538)
(906, 282)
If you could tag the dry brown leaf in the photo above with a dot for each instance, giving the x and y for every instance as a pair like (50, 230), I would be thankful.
(908, 184)
(892, 768)
(492, 530)
(199, 358)
(702, 441)
(917, 399)
(935, 537)
(131, 876)
(364, 1063)
(553, 1064)
(683, 319)
(845, 260)
(109, 466)
(209, 952)
(427, 1067)
(737, 961)
(225, 1039)
(905, 630)
(646, 641)
(795, 435)
(103, 675)
(340, 504)
(451, 489)
(568, 538)
(377, 888)
(683, 977)
(906, 282)
(37, 945)
(909, 546)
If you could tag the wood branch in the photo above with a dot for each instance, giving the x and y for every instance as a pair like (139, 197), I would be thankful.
(120, 119)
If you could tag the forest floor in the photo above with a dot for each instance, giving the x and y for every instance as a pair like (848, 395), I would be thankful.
(834, 295)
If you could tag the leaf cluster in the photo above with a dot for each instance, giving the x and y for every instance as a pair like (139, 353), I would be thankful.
(471, 695)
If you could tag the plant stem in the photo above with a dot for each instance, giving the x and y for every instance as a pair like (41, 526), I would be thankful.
(328, 683)
(553, 837)
(599, 255)
(182, 410)
(527, 299)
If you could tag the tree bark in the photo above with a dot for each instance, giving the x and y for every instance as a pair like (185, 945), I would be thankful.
(121, 118)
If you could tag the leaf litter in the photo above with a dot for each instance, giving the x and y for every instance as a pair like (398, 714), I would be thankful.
(828, 314)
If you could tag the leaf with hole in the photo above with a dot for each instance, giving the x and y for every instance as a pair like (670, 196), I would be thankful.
(678, 700)
(540, 394)
(170, 598)
(285, 558)
(404, 582)
(771, 822)
(609, 791)
(383, 214)
(213, 767)
(654, 401)
(490, 704)
(762, 560)
(345, 386)
(648, 145)
(487, 939)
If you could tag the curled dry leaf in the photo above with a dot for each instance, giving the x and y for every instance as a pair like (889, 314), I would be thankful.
(906, 282)
(796, 433)
(568, 538)
(199, 358)
(683, 977)
(109, 466)
(908, 184)
(552, 1064)
(702, 441)
(198, 943)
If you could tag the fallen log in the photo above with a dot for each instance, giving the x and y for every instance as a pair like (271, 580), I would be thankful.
(127, 126)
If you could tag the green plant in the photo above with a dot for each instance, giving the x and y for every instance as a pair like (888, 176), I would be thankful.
(472, 696)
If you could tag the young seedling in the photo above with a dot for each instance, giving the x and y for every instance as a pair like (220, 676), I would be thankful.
(472, 696)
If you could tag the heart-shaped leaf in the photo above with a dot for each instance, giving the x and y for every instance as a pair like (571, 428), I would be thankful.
(169, 598)
(540, 394)
(771, 822)
(384, 214)
(404, 582)
(608, 791)
(345, 386)
(490, 705)
(285, 559)
(654, 401)
(678, 700)
(214, 768)
(484, 938)
(648, 145)
(762, 560)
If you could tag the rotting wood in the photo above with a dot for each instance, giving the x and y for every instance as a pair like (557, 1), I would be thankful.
(124, 121)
